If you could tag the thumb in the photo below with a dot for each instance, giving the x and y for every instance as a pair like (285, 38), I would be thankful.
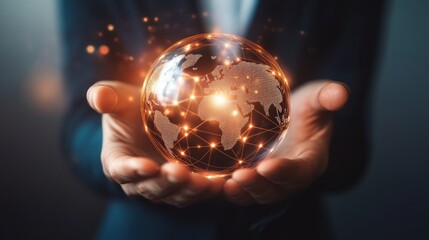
(319, 96)
(113, 97)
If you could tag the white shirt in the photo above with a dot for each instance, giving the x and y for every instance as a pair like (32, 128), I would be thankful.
(228, 16)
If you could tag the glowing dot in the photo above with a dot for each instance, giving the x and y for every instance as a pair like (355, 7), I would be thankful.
(273, 72)
(145, 19)
(150, 111)
(260, 145)
(182, 113)
(234, 113)
(196, 79)
(271, 149)
(209, 36)
(199, 146)
(186, 134)
(226, 45)
(130, 98)
(247, 77)
(244, 139)
(188, 47)
(110, 27)
(182, 153)
(220, 99)
(185, 127)
(256, 91)
(212, 145)
(175, 102)
(238, 59)
(240, 161)
(103, 50)
(250, 125)
(192, 96)
(145, 128)
(227, 62)
(166, 112)
(90, 49)
(156, 19)
(131, 58)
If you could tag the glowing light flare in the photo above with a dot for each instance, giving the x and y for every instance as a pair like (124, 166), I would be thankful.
(188, 47)
(90, 49)
(110, 27)
(104, 50)
(145, 19)
(212, 145)
(219, 100)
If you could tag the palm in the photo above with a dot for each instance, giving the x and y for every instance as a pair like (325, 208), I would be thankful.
(129, 158)
(301, 157)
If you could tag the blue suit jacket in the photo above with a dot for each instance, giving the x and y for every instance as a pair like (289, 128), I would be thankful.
(313, 39)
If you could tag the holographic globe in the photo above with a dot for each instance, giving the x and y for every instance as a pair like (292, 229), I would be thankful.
(215, 103)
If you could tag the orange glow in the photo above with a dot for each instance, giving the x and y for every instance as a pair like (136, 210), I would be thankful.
(156, 19)
(110, 27)
(90, 49)
(145, 19)
(103, 50)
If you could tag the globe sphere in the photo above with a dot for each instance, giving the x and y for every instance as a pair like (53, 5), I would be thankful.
(215, 103)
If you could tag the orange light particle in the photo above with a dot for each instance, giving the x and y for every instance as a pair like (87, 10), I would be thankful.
(145, 19)
(110, 27)
(90, 49)
(103, 50)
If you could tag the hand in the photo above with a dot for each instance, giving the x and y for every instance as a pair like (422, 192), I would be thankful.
(302, 156)
(129, 158)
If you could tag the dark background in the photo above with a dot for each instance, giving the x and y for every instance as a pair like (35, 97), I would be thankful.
(40, 197)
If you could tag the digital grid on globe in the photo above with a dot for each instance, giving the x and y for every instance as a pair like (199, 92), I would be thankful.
(215, 103)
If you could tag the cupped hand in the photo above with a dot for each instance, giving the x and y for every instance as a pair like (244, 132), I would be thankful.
(303, 155)
(128, 157)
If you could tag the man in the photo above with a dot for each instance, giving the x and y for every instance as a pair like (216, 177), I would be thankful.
(279, 199)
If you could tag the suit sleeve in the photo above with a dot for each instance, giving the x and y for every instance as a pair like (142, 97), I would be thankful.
(82, 135)
(351, 60)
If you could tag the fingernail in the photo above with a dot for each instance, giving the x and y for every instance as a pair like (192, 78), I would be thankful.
(172, 179)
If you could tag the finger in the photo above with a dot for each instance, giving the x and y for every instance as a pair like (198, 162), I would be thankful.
(319, 96)
(262, 190)
(291, 175)
(113, 97)
(171, 179)
(333, 96)
(123, 168)
(196, 189)
(236, 194)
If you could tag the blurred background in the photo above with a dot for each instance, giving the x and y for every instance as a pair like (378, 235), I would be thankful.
(40, 198)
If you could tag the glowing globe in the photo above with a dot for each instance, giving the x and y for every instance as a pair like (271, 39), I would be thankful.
(215, 102)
